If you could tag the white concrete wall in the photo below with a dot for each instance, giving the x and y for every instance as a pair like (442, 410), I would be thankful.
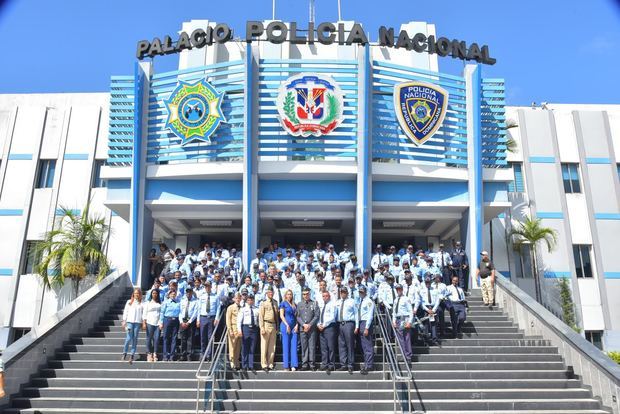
(68, 128)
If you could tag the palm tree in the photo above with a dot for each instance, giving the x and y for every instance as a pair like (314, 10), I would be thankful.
(73, 250)
(529, 233)
(511, 143)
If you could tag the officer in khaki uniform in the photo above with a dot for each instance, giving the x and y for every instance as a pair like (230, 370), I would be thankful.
(234, 341)
(268, 323)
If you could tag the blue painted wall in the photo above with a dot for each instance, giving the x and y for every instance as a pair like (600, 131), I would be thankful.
(429, 191)
(184, 190)
(312, 190)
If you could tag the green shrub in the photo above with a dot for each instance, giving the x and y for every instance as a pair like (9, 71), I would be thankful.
(615, 355)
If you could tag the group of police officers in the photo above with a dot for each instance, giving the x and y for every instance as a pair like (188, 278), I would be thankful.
(310, 296)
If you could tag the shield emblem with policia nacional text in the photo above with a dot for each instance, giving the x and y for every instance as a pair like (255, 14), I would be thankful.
(420, 109)
(310, 104)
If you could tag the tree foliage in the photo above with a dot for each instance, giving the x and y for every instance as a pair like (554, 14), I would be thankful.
(74, 249)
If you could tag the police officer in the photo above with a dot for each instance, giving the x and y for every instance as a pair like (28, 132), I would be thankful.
(348, 321)
(443, 260)
(187, 323)
(427, 306)
(378, 258)
(328, 332)
(268, 323)
(307, 319)
(401, 320)
(366, 310)
(169, 324)
(457, 306)
(234, 341)
(247, 330)
(460, 266)
(442, 293)
(210, 307)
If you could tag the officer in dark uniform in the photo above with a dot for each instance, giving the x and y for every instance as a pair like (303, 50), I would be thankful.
(460, 266)
(307, 318)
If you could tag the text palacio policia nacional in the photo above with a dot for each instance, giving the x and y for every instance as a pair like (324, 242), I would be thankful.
(323, 33)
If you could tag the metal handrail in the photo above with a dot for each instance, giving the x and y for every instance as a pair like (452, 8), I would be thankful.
(216, 367)
(397, 373)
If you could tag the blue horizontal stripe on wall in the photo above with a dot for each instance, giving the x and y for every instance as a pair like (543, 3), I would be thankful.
(595, 160)
(6, 272)
(310, 190)
(550, 274)
(76, 212)
(76, 156)
(501, 215)
(114, 214)
(505, 273)
(607, 216)
(11, 212)
(419, 191)
(542, 160)
(550, 214)
(119, 184)
(495, 192)
(611, 275)
(193, 190)
(20, 156)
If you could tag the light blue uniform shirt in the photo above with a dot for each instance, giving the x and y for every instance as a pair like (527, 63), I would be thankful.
(349, 311)
(403, 311)
(327, 314)
(424, 302)
(387, 295)
(366, 311)
(191, 306)
(214, 304)
(169, 309)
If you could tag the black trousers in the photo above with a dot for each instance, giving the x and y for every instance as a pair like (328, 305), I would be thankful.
(187, 339)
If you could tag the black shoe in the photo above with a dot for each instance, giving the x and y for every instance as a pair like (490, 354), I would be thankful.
(328, 370)
(363, 371)
(303, 369)
(350, 371)
(314, 368)
(266, 369)
(253, 371)
(342, 369)
(322, 368)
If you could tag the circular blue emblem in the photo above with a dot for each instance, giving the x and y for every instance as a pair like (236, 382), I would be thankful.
(420, 111)
(193, 108)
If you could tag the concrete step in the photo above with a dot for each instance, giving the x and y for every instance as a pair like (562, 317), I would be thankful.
(324, 381)
(174, 411)
(340, 404)
(482, 349)
(309, 394)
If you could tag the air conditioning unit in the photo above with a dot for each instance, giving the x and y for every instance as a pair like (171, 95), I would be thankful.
(398, 224)
(216, 223)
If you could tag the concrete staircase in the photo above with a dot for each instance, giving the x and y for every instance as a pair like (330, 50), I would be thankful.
(494, 368)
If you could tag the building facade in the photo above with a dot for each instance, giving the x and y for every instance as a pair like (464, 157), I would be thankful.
(365, 182)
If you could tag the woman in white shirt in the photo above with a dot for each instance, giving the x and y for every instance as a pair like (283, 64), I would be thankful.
(132, 320)
(150, 323)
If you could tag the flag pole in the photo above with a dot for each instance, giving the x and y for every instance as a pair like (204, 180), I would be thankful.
(273, 9)
(339, 12)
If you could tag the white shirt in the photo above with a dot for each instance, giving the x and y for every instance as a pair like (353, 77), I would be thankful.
(150, 312)
(455, 293)
(133, 313)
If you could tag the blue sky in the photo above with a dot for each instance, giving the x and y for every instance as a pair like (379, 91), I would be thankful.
(547, 50)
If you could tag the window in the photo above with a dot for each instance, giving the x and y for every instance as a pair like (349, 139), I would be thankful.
(46, 173)
(98, 182)
(19, 332)
(31, 259)
(516, 185)
(596, 338)
(617, 169)
(570, 177)
(583, 264)
(524, 263)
